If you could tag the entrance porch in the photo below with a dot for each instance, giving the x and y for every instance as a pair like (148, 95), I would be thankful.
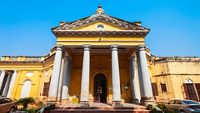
(104, 74)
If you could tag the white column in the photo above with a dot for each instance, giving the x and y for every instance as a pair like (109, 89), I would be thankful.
(115, 76)
(2, 78)
(5, 90)
(85, 76)
(145, 82)
(12, 83)
(53, 90)
(66, 78)
(60, 79)
(135, 87)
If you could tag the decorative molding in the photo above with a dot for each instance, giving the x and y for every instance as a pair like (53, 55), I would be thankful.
(133, 33)
(99, 18)
(86, 47)
(177, 59)
(114, 47)
(174, 74)
(20, 62)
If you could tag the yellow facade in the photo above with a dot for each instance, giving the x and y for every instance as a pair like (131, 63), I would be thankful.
(174, 72)
(27, 70)
(38, 70)
(99, 64)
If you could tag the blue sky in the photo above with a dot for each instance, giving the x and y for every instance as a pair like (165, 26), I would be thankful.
(25, 25)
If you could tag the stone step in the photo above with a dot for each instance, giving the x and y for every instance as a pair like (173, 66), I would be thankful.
(99, 111)
(99, 108)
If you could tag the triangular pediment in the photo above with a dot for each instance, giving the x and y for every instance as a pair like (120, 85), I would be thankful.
(91, 22)
(94, 27)
(100, 29)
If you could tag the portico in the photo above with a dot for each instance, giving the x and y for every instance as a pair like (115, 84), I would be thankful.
(96, 60)
(89, 47)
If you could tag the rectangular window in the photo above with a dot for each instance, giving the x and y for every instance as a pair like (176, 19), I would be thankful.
(163, 87)
(154, 88)
(46, 89)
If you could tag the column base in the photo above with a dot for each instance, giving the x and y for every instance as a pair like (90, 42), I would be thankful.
(147, 100)
(84, 104)
(64, 101)
(52, 100)
(117, 104)
(135, 101)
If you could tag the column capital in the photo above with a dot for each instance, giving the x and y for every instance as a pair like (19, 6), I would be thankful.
(132, 58)
(133, 55)
(86, 47)
(66, 55)
(59, 47)
(114, 47)
(10, 72)
(15, 71)
(2, 70)
(141, 48)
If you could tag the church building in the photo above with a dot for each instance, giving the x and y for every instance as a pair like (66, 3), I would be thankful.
(100, 58)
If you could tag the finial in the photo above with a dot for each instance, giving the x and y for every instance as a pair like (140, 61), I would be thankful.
(100, 10)
(99, 6)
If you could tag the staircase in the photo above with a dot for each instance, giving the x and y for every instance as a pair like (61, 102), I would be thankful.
(100, 108)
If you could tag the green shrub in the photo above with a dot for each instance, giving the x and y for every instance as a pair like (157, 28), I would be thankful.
(31, 110)
(39, 104)
(162, 106)
(25, 101)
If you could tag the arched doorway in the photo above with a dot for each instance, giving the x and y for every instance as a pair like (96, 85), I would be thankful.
(100, 88)
(26, 89)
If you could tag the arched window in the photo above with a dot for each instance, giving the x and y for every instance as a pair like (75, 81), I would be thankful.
(189, 89)
(26, 88)
(188, 81)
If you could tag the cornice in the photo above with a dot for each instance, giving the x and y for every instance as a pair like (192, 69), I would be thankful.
(177, 59)
(21, 62)
(131, 33)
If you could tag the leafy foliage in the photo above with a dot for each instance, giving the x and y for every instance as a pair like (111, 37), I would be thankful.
(25, 101)
(162, 107)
